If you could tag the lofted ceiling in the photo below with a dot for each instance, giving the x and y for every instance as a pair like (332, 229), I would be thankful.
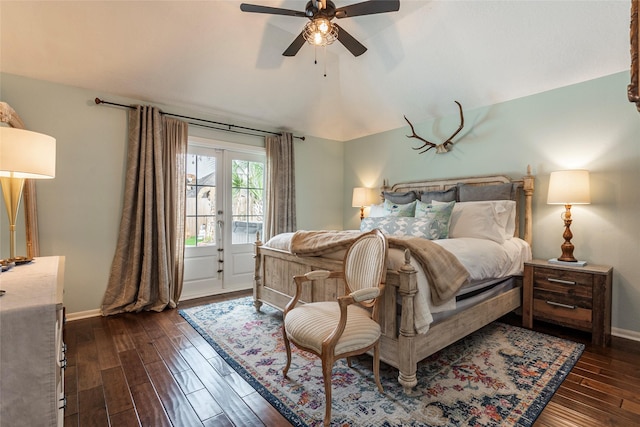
(209, 57)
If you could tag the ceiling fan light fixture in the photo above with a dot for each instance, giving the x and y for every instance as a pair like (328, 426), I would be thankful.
(323, 26)
(320, 32)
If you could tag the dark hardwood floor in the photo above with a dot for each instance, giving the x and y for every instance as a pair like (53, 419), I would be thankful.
(153, 369)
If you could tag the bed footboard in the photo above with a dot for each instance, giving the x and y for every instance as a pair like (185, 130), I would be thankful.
(273, 278)
(273, 285)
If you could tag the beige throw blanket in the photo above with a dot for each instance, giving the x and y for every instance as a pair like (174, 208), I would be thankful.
(444, 272)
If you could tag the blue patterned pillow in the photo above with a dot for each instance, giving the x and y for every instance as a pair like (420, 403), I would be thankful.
(440, 212)
(397, 209)
(431, 228)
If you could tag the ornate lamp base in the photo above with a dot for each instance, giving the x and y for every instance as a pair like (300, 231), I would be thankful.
(567, 246)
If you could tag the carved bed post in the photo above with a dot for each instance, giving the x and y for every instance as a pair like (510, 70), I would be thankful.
(384, 187)
(257, 277)
(528, 195)
(406, 339)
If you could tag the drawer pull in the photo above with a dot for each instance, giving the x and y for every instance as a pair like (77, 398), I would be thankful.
(64, 403)
(557, 304)
(564, 282)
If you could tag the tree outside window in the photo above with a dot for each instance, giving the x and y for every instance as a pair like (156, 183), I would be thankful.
(247, 195)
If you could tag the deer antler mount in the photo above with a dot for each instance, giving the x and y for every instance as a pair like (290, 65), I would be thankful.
(428, 145)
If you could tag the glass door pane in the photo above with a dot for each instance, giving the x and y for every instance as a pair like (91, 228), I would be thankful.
(201, 206)
(247, 190)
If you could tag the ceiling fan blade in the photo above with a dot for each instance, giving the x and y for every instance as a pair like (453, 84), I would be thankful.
(295, 46)
(353, 45)
(245, 7)
(368, 8)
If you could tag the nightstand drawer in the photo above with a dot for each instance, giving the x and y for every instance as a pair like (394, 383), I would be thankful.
(570, 295)
(563, 314)
(572, 281)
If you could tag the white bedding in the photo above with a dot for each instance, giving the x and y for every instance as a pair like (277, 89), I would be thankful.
(483, 259)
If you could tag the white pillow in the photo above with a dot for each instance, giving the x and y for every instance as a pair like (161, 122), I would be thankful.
(493, 220)
(377, 211)
(510, 228)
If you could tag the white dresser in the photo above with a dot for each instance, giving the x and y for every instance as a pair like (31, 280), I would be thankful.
(32, 358)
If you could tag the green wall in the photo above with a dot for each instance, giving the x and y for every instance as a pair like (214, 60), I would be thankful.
(589, 125)
(79, 210)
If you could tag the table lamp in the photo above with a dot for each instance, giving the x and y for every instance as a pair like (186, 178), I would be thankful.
(361, 198)
(570, 187)
(23, 154)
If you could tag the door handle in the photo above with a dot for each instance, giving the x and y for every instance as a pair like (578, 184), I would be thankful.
(220, 224)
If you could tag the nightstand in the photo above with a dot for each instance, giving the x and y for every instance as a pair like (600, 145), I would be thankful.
(576, 297)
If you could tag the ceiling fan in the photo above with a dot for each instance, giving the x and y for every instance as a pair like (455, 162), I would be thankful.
(320, 31)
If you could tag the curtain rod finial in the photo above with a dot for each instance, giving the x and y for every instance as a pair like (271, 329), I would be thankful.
(99, 101)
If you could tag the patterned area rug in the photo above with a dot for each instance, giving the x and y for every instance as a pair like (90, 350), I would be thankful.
(499, 376)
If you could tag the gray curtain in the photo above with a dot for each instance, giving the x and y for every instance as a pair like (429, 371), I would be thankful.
(147, 268)
(280, 187)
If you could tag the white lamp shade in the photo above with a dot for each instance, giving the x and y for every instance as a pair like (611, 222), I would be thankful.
(361, 197)
(569, 188)
(26, 154)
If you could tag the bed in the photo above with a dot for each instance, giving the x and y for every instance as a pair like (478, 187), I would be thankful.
(413, 327)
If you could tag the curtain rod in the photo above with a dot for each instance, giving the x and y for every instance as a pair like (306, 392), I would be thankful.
(229, 127)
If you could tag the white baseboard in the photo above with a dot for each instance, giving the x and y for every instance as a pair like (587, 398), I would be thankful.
(70, 317)
(625, 333)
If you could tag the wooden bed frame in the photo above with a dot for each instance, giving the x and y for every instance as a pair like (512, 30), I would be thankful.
(400, 345)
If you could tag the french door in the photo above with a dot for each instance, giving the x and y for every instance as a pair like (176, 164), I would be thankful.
(225, 193)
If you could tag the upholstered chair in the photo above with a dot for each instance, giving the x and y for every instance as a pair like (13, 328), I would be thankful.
(347, 326)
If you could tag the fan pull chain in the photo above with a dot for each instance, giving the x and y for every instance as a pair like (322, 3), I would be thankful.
(325, 60)
(315, 57)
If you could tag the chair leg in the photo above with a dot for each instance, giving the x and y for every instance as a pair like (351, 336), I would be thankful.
(287, 347)
(376, 365)
(327, 367)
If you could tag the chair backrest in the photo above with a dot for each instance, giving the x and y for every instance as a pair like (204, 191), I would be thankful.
(365, 262)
